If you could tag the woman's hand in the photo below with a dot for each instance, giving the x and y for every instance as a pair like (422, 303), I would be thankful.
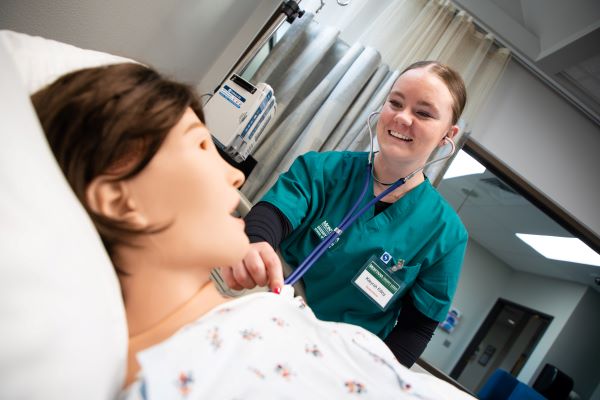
(260, 266)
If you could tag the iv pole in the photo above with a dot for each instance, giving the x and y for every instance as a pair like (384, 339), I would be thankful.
(288, 11)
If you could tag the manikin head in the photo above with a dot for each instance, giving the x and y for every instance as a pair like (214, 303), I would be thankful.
(421, 110)
(134, 148)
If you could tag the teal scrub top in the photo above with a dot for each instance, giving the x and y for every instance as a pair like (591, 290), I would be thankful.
(420, 228)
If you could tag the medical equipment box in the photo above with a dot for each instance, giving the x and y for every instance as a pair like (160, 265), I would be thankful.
(238, 113)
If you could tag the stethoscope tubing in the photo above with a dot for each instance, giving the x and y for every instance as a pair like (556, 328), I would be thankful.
(348, 220)
(351, 216)
(325, 243)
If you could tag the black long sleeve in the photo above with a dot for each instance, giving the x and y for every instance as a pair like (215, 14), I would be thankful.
(412, 333)
(266, 223)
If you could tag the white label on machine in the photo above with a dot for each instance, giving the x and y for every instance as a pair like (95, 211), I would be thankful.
(232, 96)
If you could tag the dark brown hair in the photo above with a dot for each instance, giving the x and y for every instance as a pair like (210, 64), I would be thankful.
(453, 81)
(110, 120)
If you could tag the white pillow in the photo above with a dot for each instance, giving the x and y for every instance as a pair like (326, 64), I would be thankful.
(62, 319)
(40, 61)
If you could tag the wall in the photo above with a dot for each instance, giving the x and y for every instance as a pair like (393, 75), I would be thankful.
(576, 351)
(544, 140)
(483, 280)
(182, 38)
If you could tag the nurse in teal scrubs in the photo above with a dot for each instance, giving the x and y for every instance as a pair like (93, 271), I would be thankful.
(395, 270)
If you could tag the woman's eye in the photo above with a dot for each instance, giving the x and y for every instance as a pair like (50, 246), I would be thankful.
(395, 103)
(423, 114)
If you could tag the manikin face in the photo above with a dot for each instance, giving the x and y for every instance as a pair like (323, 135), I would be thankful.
(415, 118)
(190, 187)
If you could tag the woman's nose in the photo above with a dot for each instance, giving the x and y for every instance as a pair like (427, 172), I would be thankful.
(403, 117)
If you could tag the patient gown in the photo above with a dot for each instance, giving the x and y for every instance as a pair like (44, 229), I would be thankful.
(269, 346)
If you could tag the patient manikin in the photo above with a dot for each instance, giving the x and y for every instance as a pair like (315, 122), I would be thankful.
(135, 151)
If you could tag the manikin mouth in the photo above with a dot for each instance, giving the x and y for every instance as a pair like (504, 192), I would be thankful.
(400, 136)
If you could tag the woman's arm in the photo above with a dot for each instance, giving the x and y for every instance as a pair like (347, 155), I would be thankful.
(266, 223)
(412, 333)
(266, 227)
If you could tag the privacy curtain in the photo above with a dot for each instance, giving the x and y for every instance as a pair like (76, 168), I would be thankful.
(326, 88)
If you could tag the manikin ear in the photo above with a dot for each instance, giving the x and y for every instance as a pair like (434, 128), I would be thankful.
(112, 200)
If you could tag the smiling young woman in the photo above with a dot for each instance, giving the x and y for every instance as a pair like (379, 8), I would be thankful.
(412, 234)
(418, 115)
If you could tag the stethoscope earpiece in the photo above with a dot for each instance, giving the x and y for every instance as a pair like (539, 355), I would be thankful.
(371, 134)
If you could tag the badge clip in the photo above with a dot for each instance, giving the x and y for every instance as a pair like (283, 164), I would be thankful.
(398, 266)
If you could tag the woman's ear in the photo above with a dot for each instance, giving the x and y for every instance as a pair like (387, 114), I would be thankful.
(112, 199)
(453, 131)
(450, 134)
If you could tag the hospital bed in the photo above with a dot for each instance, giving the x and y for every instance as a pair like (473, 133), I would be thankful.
(64, 331)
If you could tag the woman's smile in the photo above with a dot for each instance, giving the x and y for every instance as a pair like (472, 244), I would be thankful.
(400, 136)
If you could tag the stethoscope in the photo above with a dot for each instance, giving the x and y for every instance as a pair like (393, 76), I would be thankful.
(352, 216)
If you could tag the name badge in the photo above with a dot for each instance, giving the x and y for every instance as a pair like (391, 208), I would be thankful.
(377, 284)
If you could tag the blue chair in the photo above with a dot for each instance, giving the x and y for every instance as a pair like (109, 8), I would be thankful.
(524, 392)
(503, 386)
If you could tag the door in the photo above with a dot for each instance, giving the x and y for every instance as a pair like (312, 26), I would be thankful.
(505, 339)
